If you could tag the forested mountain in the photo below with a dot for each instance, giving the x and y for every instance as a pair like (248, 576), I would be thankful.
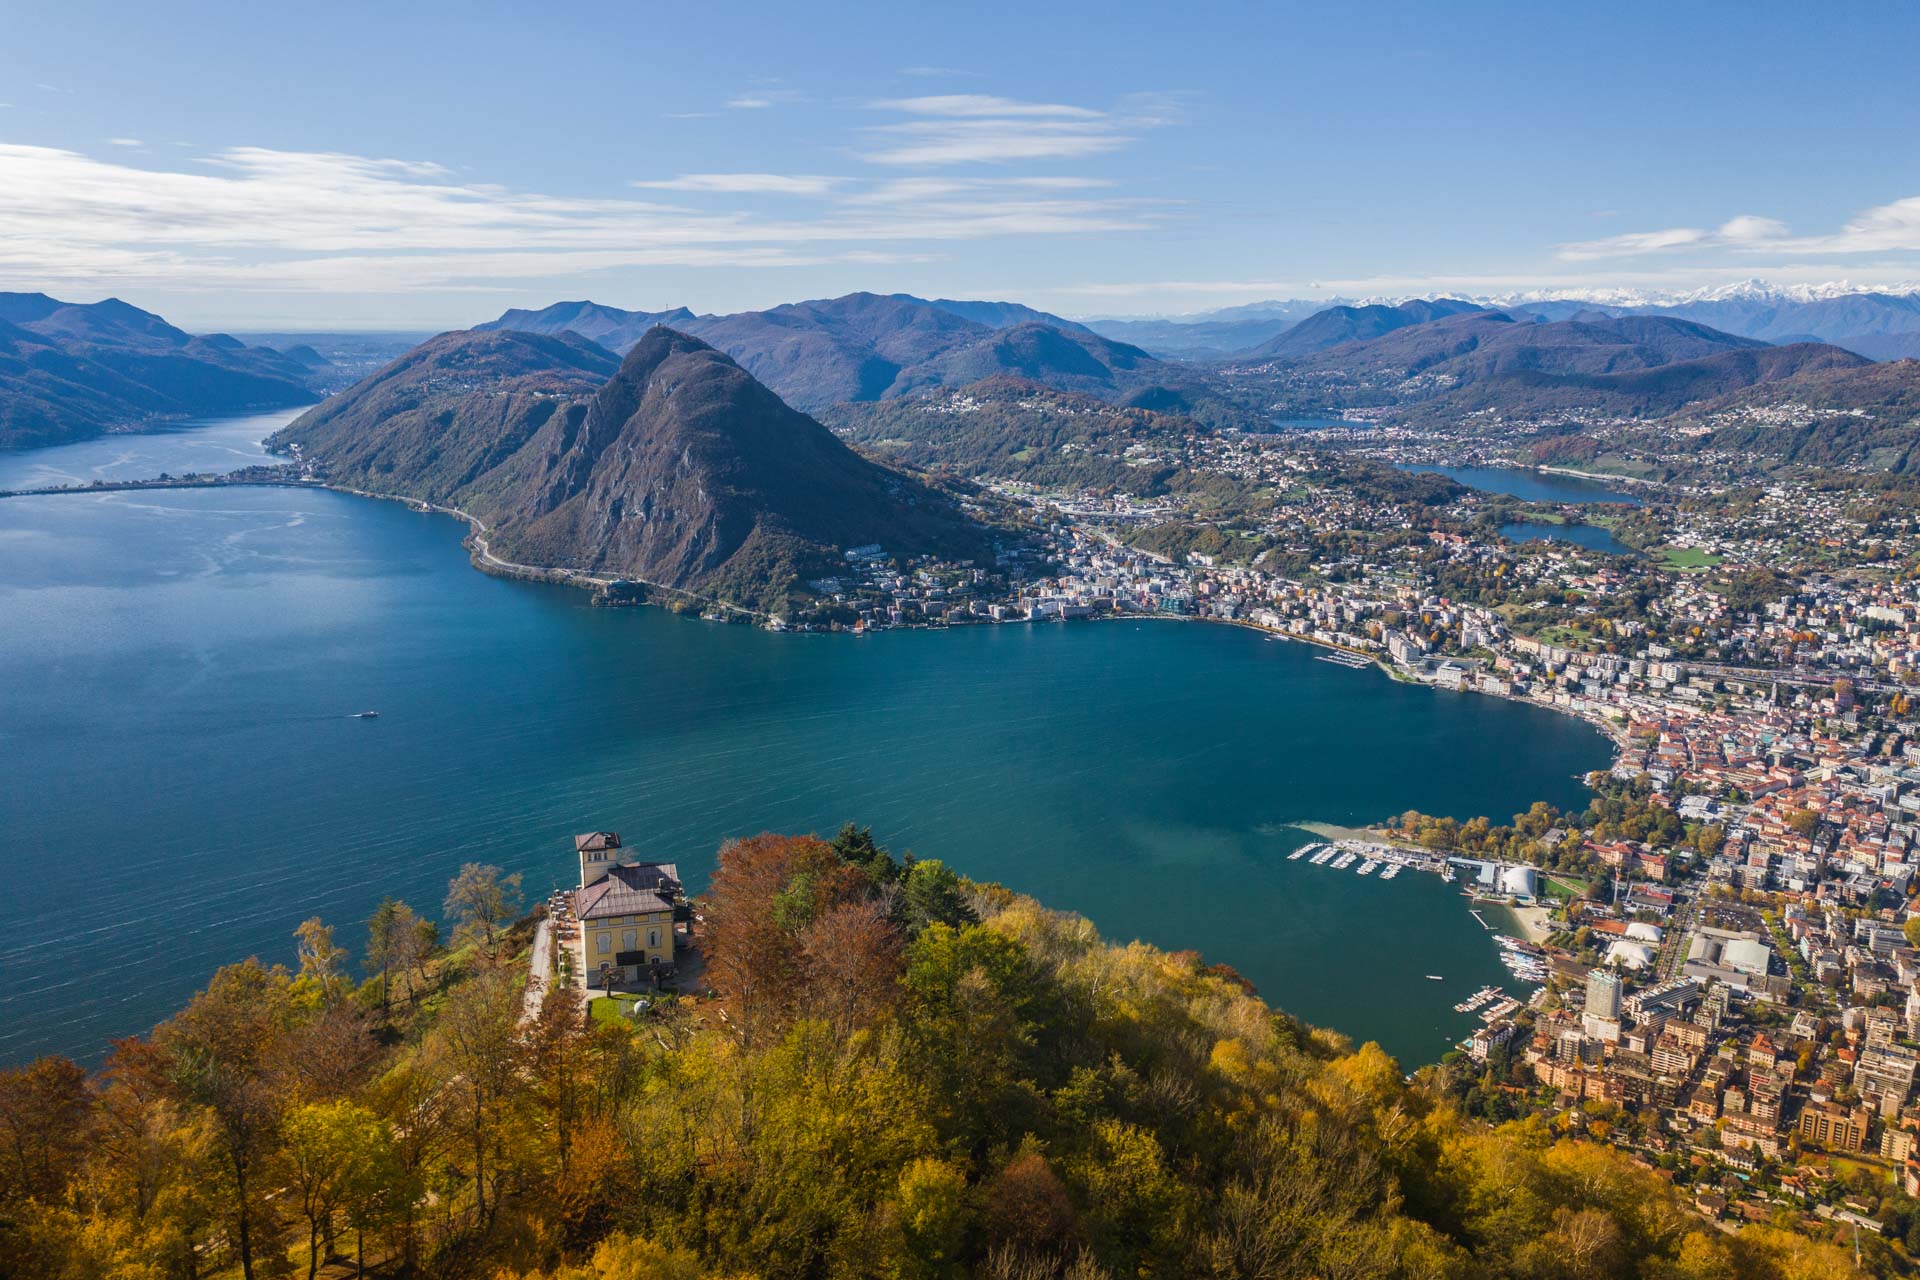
(1066, 359)
(996, 315)
(1627, 366)
(1013, 428)
(1337, 325)
(448, 413)
(675, 468)
(71, 370)
(1865, 417)
(867, 346)
(886, 1070)
(612, 328)
(822, 352)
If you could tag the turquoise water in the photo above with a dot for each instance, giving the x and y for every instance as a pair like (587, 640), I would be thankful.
(208, 446)
(184, 785)
(1533, 486)
(1590, 536)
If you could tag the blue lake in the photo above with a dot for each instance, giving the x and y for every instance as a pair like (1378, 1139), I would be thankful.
(212, 446)
(184, 785)
(1534, 486)
(1593, 537)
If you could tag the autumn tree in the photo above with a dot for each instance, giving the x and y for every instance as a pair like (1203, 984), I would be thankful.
(766, 892)
(322, 976)
(483, 900)
(45, 1119)
(853, 960)
(221, 1050)
(337, 1156)
(477, 1039)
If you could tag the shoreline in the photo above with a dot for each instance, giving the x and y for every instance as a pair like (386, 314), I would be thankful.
(481, 557)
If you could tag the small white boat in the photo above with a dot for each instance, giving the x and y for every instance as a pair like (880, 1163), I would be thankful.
(365, 715)
(1434, 977)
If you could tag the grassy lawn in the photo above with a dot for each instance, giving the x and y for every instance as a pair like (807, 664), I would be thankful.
(615, 1008)
(1843, 1167)
(1559, 886)
(1687, 558)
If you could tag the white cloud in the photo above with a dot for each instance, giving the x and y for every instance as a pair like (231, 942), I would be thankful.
(747, 103)
(126, 142)
(1885, 228)
(790, 184)
(981, 105)
(911, 190)
(977, 128)
(1746, 231)
(992, 142)
(254, 218)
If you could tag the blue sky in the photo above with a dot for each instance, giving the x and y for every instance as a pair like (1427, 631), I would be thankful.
(428, 164)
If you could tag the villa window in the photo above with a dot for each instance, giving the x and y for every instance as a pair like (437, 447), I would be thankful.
(653, 937)
(606, 943)
(627, 939)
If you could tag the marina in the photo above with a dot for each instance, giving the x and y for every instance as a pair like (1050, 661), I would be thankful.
(1342, 659)
(1526, 962)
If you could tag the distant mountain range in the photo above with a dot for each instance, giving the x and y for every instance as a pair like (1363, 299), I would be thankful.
(673, 466)
(1882, 324)
(867, 346)
(1625, 366)
(1215, 334)
(1337, 325)
(72, 370)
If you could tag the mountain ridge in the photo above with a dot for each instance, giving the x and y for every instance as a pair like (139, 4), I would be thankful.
(672, 466)
(866, 346)
(70, 371)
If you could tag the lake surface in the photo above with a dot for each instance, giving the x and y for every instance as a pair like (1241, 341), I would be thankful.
(184, 785)
(1531, 485)
(1591, 536)
(208, 446)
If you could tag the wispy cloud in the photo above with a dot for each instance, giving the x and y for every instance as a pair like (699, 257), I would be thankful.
(1885, 228)
(1747, 231)
(254, 218)
(977, 128)
(749, 103)
(786, 184)
(126, 142)
(981, 106)
(918, 190)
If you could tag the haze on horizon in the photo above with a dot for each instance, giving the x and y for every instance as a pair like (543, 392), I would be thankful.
(426, 167)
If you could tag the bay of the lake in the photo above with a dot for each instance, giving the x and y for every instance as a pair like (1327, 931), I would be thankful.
(1532, 485)
(183, 783)
(1590, 536)
(204, 446)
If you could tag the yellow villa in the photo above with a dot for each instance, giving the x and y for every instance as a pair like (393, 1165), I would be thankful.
(625, 910)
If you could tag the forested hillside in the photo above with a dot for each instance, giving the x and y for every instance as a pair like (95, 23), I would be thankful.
(896, 1073)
